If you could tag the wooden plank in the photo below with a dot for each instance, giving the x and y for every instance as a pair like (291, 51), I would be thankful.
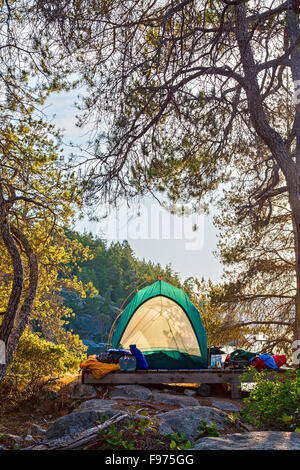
(153, 377)
(168, 376)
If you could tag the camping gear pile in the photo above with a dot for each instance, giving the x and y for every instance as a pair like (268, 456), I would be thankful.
(239, 359)
(104, 363)
(115, 359)
(112, 356)
(265, 361)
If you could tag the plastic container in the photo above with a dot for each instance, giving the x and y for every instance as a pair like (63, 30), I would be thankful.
(141, 362)
(127, 363)
(216, 361)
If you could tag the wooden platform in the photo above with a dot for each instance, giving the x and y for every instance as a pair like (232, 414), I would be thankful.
(161, 376)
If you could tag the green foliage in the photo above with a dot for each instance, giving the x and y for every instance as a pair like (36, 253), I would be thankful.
(208, 430)
(273, 403)
(112, 438)
(30, 72)
(136, 432)
(179, 441)
(34, 366)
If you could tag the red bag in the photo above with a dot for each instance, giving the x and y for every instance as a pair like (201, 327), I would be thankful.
(279, 359)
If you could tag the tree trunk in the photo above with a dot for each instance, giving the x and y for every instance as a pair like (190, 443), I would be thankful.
(25, 310)
(293, 178)
(294, 196)
(15, 317)
(275, 143)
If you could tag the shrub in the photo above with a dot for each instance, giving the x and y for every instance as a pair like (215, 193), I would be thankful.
(273, 403)
(34, 366)
(208, 430)
(139, 434)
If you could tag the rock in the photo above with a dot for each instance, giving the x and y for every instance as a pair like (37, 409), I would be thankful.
(84, 417)
(2, 448)
(36, 430)
(29, 439)
(261, 440)
(164, 428)
(71, 424)
(172, 399)
(189, 392)
(83, 391)
(131, 392)
(76, 422)
(189, 420)
(96, 405)
(204, 390)
(225, 406)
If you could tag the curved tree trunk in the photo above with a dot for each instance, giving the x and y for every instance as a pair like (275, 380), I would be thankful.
(295, 206)
(24, 312)
(293, 177)
(17, 286)
(274, 141)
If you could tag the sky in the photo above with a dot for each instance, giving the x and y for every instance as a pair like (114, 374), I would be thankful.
(153, 233)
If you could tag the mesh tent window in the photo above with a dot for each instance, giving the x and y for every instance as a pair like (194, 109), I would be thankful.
(161, 319)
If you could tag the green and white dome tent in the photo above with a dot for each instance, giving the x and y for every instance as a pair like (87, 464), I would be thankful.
(165, 325)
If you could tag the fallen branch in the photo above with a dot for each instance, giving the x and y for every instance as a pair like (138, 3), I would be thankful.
(141, 403)
(80, 440)
(141, 409)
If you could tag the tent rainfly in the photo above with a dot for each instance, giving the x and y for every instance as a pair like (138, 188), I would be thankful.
(165, 325)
